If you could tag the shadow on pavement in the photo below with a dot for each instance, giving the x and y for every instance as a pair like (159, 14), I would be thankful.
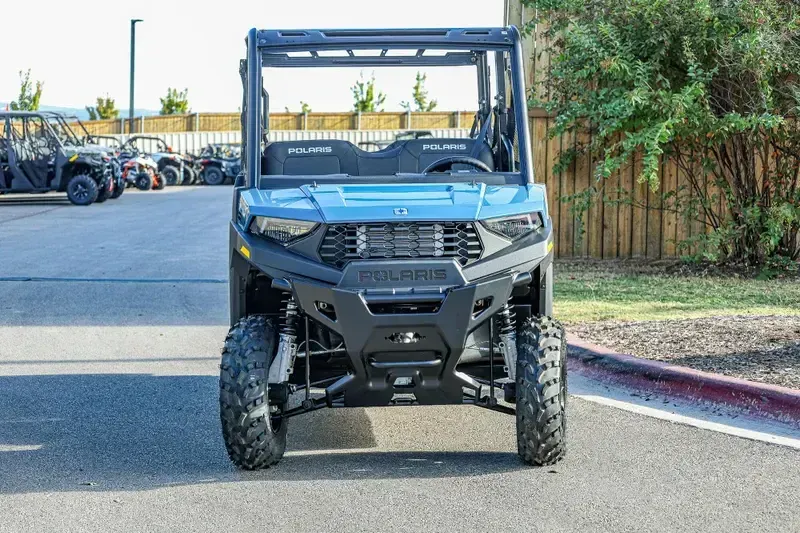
(91, 432)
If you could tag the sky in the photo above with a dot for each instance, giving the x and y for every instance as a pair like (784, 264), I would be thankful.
(80, 50)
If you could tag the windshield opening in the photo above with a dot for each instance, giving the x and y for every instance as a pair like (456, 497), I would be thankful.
(469, 130)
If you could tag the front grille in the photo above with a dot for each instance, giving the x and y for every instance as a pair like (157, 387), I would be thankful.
(407, 240)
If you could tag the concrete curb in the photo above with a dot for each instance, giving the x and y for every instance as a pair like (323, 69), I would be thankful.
(759, 399)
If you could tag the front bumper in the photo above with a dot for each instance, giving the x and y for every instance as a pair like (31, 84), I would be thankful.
(424, 348)
(385, 365)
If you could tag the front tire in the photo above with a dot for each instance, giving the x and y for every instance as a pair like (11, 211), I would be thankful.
(118, 189)
(82, 190)
(103, 193)
(189, 176)
(143, 181)
(214, 176)
(253, 439)
(170, 176)
(541, 392)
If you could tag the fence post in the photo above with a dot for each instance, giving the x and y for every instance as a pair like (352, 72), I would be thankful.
(141, 124)
(197, 122)
(305, 120)
(458, 119)
(408, 119)
(121, 126)
(358, 120)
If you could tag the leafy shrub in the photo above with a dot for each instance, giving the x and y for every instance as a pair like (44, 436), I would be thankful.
(711, 84)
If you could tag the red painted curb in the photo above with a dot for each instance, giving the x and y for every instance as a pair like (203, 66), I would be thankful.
(760, 399)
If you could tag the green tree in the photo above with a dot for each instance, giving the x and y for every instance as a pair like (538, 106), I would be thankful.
(175, 103)
(420, 96)
(105, 109)
(28, 95)
(711, 85)
(365, 98)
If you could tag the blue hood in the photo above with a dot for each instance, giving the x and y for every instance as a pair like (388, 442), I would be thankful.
(378, 202)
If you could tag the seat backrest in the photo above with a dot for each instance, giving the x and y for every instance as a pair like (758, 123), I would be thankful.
(417, 154)
(309, 158)
(322, 157)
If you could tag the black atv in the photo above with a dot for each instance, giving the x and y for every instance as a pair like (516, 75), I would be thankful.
(219, 163)
(33, 159)
(59, 123)
(420, 274)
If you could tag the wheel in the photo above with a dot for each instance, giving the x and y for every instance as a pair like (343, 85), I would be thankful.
(541, 392)
(189, 176)
(159, 183)
(118, 189)
(82, 189)
(103, 194)
(143, 181)
(170, 176)
(214, 176)
(253, 438)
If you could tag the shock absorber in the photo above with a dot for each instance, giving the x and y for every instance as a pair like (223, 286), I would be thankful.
(283, 364)
(507, 319)
(289, 318)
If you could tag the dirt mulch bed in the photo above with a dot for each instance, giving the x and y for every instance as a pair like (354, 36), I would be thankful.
(757, 348)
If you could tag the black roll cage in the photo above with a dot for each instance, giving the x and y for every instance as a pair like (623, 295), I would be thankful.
(7, 116)
(462, 46)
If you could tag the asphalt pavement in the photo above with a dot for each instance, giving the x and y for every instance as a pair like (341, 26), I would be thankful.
(111, 322)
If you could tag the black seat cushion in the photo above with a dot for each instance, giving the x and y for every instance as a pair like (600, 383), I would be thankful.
(318, 158)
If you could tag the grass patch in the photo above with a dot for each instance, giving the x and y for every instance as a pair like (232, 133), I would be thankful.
(596, 295)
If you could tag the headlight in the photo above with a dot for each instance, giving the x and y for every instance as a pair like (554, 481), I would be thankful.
(282, 230)
(243, 212)
(515, 226)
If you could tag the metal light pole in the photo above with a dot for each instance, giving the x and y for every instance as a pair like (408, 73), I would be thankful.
(133, 68)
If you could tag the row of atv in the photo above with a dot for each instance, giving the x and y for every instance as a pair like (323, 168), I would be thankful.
(150, 163)
(40, 152)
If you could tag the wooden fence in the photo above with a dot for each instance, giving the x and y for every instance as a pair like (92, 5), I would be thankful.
(286, 121)
(609, 230)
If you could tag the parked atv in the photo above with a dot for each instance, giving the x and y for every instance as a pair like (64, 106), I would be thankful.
(420, 274)
(170, 164)
(33, 159)
(142, 173)
(219, 163)
(59, 123)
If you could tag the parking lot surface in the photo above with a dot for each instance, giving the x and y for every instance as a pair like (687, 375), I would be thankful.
(111, 322)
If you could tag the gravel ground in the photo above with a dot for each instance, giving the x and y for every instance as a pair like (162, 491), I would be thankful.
(758, 348)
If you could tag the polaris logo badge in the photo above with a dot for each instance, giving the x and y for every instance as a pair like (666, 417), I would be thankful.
(378, 276)
(311, 150)
(400, 211)
(444, 147)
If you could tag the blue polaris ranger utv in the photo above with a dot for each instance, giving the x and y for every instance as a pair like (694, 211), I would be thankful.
(419, 274)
